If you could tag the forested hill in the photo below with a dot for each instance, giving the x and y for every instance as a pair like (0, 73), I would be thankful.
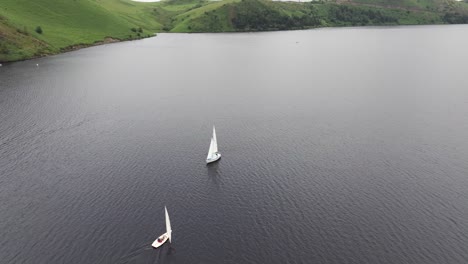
(41, 27)
(259, 15)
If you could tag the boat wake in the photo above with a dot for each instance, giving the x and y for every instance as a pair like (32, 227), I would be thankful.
(138, 254)
(147, 254)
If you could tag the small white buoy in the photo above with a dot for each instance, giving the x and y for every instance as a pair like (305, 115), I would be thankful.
(37, 65)
(0, 65)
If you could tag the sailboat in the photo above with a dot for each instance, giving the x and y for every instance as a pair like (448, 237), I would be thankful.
(213, 154)
(166, 236)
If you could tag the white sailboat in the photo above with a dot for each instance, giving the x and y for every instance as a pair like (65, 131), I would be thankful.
(213, 153)
(166, 236)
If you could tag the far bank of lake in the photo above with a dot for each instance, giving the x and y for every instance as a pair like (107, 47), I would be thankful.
(29, 32)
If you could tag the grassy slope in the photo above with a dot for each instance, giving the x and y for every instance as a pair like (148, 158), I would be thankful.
(14, 44)
(67, 23)
(141, 14)
(200, 20)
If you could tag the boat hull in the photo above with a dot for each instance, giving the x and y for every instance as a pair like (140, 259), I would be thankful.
(157, 243)
(215, 158)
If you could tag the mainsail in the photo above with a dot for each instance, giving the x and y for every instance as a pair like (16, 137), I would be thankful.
(215, 142)
(168, 225)
(210, 150)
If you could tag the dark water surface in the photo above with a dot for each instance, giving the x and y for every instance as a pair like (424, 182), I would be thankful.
(339, 146)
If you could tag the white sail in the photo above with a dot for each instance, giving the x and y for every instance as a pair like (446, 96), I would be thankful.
(210, 150)
(215, 142)
(168, 225)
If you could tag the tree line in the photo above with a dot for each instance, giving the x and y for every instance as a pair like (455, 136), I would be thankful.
(259, 15)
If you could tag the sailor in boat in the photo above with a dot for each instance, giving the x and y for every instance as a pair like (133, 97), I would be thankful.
(161, 238)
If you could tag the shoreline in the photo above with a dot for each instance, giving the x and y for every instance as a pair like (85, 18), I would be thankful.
(78, 46)
(106, 40)
(139, 19)
(111, 40)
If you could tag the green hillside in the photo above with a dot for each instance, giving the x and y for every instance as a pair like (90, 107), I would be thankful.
(41, 27)
(67, 23)
(431, 5)
(260, 15)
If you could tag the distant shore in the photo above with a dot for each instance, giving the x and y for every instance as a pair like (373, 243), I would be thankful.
(25, 34)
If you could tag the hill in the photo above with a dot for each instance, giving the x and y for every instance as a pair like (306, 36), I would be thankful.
(41, 27)
(261, 15)
(67, 24)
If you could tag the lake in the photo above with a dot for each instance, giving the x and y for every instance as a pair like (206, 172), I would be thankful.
(340, 145)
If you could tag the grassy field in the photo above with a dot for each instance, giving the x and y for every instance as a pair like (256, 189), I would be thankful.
(68, 24)
(17, 45)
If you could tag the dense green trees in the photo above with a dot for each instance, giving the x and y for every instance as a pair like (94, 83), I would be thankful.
(348, 15)
(456, 18)
(261, 15)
